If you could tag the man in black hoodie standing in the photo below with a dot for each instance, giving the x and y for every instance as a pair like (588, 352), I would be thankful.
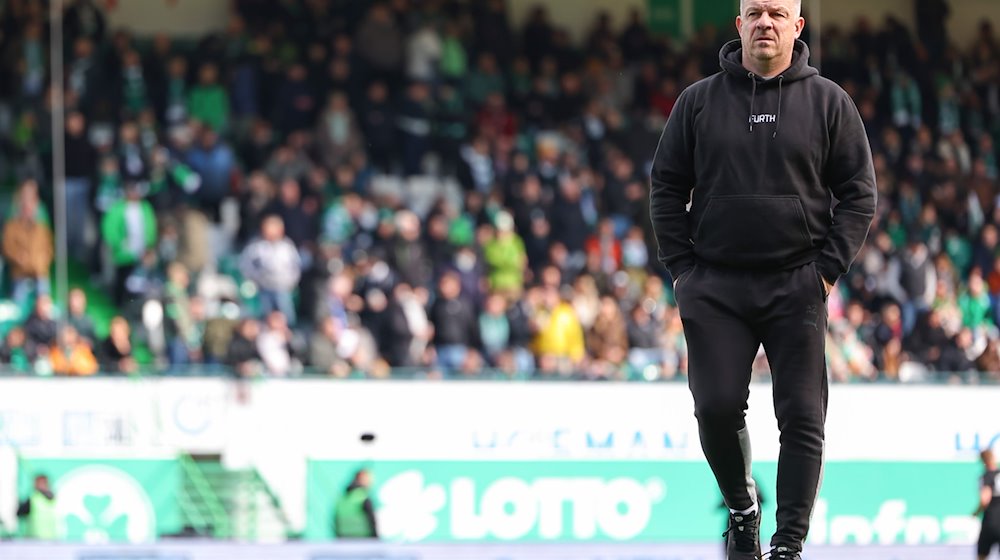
(760, 150)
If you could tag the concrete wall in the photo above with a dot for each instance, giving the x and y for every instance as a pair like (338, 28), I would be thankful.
(578, 15)
(962, 25)
(175, 17)
(196, 17)
(966, 15)
(845, 12)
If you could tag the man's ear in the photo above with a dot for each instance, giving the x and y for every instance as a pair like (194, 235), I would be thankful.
(739, 25)
(800, 24)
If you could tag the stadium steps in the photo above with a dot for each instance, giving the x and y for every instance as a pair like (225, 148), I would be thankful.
(229, 503)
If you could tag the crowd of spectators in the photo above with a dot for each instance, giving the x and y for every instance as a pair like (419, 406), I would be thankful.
(345, 187)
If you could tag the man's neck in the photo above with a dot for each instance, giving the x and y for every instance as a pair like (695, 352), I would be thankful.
(767, 69)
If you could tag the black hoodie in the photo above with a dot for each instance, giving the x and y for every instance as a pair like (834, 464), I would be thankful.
(761, 161)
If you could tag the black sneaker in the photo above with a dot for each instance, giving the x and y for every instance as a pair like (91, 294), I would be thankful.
(742, 541)
(783, 553)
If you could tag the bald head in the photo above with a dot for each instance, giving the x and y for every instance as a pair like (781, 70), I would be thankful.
(796, 5)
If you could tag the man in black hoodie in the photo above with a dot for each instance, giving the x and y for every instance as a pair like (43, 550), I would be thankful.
(760, 150)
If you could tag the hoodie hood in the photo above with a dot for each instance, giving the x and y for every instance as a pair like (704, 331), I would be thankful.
(731, 60)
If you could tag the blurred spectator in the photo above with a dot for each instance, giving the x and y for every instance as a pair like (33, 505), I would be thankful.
(387, 319)
(338, 133)
(208, 101)
(494, 328)
(116, 350)
(380, 43)
(181, 330)
(254, 203)
(135, 93)
(974, 302)
(605, 246)
(569, 220)
(174, 104)
(40, 327)
(14, 352)
(408, 252)
(242, 354)
(475, 166)
(455, 324)
(32, 61)
(71, 355)
(414, 123)
(272, 263)
(28, 249)
(78, 318)
(559, 342)
(81, 171)
(84, 19)
(484, 81)
(454, 56)
(298, 213)
(507, 259)
(645, 337)
(214, 163)
(329, 348)
(423, 52)
(129, 230)
(297, 103)
(275, 346)
(607, 339)
(132, 157)
(378, 123)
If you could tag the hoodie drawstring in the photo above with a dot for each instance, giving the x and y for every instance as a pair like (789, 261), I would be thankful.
(753, 98)
(777, 124)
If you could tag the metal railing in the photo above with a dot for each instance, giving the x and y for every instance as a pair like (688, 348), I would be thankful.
(492, 374)
(197, 491)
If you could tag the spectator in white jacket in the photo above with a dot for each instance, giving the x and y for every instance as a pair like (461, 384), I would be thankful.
(272, 263)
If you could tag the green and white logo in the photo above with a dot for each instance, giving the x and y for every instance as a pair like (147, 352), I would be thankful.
(409, 507)
(98, 504)
(512, 508)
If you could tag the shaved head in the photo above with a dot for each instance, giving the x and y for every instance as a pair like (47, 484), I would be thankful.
(796, 4)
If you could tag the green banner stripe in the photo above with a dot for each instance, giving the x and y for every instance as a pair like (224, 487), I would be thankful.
(446, 501)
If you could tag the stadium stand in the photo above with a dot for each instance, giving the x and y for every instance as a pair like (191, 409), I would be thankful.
(359, 189)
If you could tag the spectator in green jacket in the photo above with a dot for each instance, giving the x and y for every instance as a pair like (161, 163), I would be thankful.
(506, 257)
(208, 101)
(129, 229)
(975, 303)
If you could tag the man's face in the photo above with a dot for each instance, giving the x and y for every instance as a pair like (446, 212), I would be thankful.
(768, 28)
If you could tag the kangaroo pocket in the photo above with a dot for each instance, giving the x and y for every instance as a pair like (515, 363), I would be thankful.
(752, 230)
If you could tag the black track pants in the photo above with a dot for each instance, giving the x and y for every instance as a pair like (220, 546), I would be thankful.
(727, 314)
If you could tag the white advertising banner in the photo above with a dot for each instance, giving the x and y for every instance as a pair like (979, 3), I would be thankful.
(113, 417)
(465, 420)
